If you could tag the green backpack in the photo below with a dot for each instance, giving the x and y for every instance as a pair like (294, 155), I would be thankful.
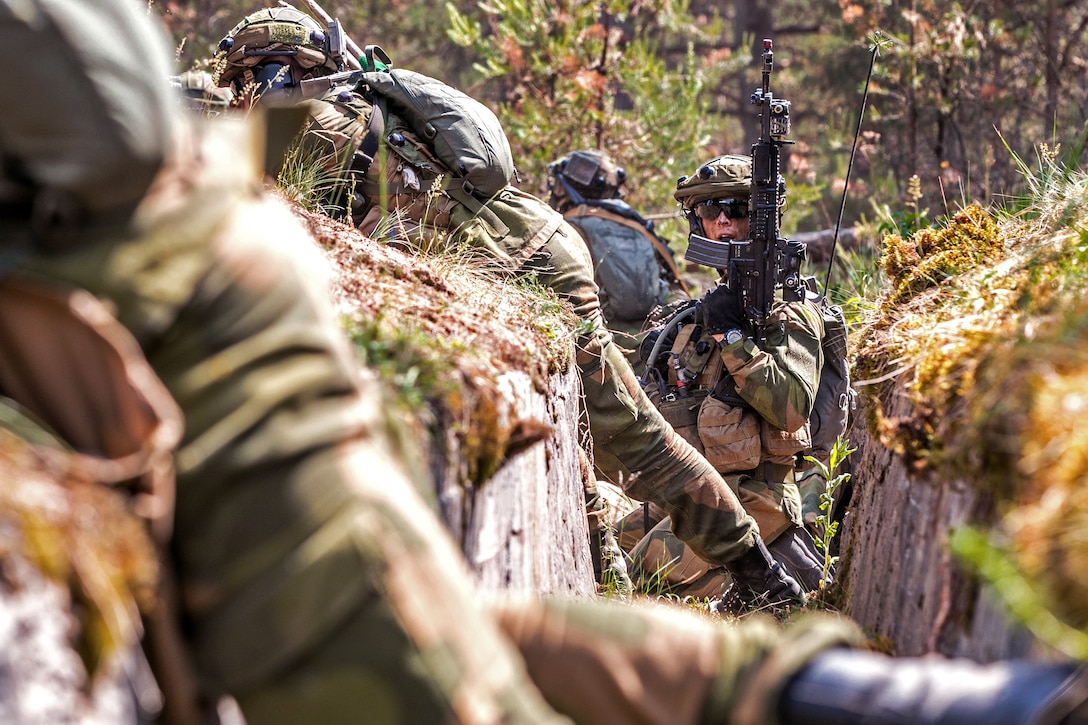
(466, 136)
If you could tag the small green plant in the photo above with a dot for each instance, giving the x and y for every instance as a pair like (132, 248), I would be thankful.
(655, 584)
(910, 219)
(826, 527)
(412, 364)
(615, 580)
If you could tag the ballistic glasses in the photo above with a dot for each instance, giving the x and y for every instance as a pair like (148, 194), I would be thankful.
(732, 208)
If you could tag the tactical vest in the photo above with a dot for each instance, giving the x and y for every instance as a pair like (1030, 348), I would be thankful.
(695, 393)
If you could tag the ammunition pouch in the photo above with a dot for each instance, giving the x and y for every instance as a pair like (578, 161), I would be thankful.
(778, 443)
(772, 473)
(682, 413)
(730, 435)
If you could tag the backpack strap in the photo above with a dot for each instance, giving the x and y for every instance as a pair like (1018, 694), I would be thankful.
(461, 190)
(590, 210)
(453, 187)
(372, 140)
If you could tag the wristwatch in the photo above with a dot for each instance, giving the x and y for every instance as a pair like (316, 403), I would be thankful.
(732, 336)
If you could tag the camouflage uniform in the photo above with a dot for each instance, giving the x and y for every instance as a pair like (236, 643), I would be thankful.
(778, 381)
(632, 442)
(315, 584)
(522, 235)
(291, 506)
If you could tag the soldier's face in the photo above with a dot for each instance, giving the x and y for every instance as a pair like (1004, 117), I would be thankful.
(724, 227)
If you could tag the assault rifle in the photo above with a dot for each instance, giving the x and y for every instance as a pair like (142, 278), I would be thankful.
(765, 261)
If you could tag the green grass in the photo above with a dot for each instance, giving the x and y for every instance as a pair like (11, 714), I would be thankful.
(828, 529)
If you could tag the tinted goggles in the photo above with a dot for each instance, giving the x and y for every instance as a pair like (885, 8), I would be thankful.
(272, 76)
(732, 208)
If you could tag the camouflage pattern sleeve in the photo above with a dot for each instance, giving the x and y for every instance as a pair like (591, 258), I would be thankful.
(781, 380)
(608, 662)
(632, 442)
(316, 582)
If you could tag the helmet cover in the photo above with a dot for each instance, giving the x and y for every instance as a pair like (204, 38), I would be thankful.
(725, 176)
(272, 32)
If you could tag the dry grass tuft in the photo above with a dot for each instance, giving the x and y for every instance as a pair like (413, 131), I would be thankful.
(444, 332)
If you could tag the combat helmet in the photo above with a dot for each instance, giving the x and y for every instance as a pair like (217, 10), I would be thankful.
(725, 176)
(585, 174)
(279, 31)
(62, 171)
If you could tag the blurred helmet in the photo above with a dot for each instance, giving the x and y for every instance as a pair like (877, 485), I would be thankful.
(590, 173)
(88, 125)
(280, 31)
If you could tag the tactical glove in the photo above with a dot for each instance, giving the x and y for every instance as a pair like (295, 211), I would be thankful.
(721, 309)
(848, 687)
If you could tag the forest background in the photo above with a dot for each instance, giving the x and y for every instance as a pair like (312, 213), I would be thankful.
(959, 93)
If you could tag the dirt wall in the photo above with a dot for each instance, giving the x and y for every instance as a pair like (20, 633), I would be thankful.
(525, 528)
(898, 578)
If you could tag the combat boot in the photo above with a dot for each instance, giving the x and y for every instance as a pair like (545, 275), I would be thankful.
(796, 550)
(758, 582)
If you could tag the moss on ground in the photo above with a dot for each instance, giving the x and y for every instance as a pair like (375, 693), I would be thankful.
(442, 332)
(984, 325)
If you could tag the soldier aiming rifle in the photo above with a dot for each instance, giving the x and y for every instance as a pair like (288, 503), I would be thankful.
(740, 375)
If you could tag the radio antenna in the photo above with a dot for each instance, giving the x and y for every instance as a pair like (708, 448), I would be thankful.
(850, 165)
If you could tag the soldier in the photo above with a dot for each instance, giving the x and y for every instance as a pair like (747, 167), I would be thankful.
(754, 423)
(272, 51)
(634, 267)
(303, 551)
(314, 583)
